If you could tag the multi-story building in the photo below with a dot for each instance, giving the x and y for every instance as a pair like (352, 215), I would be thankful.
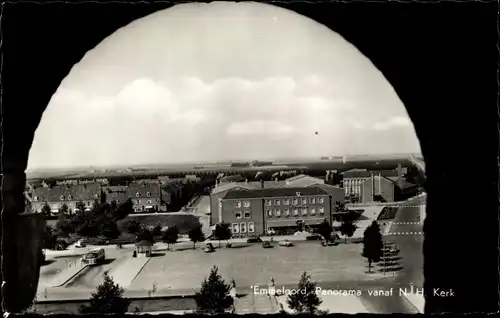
(354, 179)
(69, 195)
(381, 189)
(146, 197)
(257, 211)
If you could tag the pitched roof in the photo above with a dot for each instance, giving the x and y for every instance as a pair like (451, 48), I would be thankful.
(276, 192)
(80, 192)
(234, 178)
(232, 185)
(267, 184)
(137, 190)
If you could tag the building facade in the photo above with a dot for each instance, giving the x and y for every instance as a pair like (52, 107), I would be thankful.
(146, 197)
(69, 195)
(279, 209)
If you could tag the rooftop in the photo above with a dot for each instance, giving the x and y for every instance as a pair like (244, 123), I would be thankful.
(276, 192)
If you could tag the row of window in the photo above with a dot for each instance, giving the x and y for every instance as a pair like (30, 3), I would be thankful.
(245, 214)
(70, 197)
(246, 204)
(295, 212)
(139, 202)
(148, 194)
(244, 227)
(296, 201)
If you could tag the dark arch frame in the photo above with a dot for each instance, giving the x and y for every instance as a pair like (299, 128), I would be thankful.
(427, 61)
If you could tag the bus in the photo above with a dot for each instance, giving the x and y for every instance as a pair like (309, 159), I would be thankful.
(94, 257)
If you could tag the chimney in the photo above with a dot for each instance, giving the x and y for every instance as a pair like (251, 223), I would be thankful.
(262, 183)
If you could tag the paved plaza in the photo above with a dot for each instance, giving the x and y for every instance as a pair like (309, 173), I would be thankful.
(253, 265)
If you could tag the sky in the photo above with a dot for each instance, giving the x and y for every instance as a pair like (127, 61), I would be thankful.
(220, 81)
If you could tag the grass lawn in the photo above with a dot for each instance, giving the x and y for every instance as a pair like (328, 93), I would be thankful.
(253, 265)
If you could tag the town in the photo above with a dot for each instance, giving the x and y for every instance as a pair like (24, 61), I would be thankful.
(163, 236)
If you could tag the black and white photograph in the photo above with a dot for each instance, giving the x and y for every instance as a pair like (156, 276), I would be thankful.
(249, 158)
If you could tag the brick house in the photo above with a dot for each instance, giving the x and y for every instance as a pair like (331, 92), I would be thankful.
(146, 197)
(381, 189)
(259, 210)
(69, 194)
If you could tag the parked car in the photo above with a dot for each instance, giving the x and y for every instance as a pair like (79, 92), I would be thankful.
(60, 245)
(254, 239)
(313, 237)
(80, 244)
(286, 243)
(267, 244)
(209, 248)
(328, 243)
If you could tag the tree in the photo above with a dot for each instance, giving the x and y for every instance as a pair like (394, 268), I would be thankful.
(307, 300)
(124, 209)
(222, 232)
(64, 209)
(49, 237)
(64, 226)
(339, 206)
(89, 228)
(133, 226)
(347, 228)
(108, 299)
(196, 234)
(325, 230)
(46, 209)
(372, 244)
(109, 228)
(157, 229)
(113, 206)
(145, 234)
(170, 236)
(214, 297)
(80, 206)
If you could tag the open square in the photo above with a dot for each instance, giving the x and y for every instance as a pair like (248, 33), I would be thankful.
(253, 265)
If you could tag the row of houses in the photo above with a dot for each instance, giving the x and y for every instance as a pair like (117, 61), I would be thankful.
(280, 205)
(146, 195)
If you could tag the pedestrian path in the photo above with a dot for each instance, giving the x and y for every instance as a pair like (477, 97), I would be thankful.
(406, 233)
(127, 270)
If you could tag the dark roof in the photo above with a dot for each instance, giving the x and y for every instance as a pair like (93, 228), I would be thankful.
(80, 192)
(143, 189)
(275, 192)
(235, 178)
(367, 174)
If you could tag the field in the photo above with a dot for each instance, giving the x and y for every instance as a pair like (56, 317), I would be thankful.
(368, 162)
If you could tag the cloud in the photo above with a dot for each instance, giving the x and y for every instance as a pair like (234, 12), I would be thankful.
(189, 119)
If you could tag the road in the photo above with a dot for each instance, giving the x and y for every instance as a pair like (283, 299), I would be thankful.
(406, 232)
